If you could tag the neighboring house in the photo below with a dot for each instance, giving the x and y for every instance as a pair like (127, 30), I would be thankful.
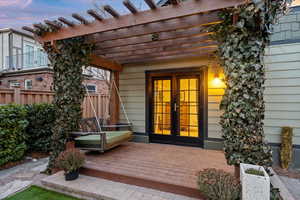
(24, 64)
(19, 50)
(42, 79)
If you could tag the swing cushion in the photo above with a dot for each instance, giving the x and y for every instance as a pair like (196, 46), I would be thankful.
(112, 137)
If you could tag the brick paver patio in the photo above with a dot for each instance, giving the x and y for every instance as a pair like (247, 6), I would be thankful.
(166, 167)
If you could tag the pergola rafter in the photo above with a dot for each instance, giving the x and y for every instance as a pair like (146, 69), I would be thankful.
(158, 33)
(155, 44)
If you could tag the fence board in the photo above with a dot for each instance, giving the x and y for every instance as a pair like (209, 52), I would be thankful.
(8, 96)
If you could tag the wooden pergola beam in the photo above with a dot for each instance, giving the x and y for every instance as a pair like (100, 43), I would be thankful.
(111, 11)
(26, 28)
(155, 44)
(154, 28)
(169, 51)
(39, 26)
(80, 18)
(145, 17)
(151, 4)
(146, 39)
(103, 63)
(130, 6)
(165, 58)
(174, 2)
(94, 14)
(65, 21)
(53, 24)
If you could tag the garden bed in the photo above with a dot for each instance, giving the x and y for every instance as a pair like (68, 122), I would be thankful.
(38, 193)
(29, 156)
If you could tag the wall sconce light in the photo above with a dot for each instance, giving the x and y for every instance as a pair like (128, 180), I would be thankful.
(217, 81)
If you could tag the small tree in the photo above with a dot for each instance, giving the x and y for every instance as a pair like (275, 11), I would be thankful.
(243, 36)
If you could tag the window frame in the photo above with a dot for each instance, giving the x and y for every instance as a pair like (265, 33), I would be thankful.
(26, 86)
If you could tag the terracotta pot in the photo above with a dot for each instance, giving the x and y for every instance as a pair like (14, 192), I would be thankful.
(71, 175)
(70, 145)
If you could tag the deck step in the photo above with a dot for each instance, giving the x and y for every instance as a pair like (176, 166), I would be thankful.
(154, 182)
(88, 187)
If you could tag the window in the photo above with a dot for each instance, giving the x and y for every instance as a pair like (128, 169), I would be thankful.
(29, 55)
(91, 88)
(41, 58)
(13, 83)
(28, 84)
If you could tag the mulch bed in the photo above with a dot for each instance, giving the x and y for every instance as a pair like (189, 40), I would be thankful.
(289, 173)
(35, 155)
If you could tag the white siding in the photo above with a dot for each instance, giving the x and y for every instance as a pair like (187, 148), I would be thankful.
(282, 93)
(132, 89)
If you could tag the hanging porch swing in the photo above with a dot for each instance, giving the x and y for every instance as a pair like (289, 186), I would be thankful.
(97, 134)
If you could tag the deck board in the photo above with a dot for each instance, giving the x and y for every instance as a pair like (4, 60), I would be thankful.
(166, 167)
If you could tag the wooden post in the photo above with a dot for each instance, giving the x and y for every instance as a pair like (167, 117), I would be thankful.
(99, 106)
(115, 108)
(17, 95)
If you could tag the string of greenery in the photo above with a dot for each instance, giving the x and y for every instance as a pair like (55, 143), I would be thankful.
(67, 58)
(243, 36)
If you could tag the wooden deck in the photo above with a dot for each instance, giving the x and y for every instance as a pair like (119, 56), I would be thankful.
(167, 168)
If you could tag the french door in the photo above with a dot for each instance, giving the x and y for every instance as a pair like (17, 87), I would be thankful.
(175, 107)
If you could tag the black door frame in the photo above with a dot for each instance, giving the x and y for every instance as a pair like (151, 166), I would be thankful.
(202, 109)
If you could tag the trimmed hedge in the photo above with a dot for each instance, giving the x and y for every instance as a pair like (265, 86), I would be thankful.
(12, 133)
(41, 119)
(25, 127)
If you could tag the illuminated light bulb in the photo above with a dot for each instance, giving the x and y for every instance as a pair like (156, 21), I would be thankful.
(217, 81)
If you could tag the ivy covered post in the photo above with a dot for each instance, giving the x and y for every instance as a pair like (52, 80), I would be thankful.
(243, 36)
(67, 58)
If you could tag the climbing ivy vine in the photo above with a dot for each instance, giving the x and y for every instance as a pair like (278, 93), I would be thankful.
(243, 36)
(67, 58)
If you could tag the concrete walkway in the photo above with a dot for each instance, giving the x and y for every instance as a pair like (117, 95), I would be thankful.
(21, 176)
(293, 185)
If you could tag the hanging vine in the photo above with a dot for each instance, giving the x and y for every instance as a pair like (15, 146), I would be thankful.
(243, 36)
(67, 58)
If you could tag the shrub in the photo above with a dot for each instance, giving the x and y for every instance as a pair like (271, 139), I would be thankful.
(39, 130)
(12, 133)
(218, 185)
(70, 160)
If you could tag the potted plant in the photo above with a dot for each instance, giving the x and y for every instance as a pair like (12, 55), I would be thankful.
(70, 161)
(255, 182)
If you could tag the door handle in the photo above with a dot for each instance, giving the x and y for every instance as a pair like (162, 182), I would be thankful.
(175, 107)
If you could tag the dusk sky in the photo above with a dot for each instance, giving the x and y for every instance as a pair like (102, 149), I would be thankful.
(17, 13)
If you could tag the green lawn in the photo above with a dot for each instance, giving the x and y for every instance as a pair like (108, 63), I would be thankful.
(38, 193)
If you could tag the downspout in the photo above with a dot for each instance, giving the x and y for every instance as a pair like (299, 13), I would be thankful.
(10, 44)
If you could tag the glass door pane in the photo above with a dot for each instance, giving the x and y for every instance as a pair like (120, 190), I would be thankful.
(188, 107)
(162, 106)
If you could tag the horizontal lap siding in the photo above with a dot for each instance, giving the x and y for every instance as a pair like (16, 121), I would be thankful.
(132, 89)
(282, 94)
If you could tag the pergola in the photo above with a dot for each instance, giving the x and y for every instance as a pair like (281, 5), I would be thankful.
(179, 30)
(160, 33)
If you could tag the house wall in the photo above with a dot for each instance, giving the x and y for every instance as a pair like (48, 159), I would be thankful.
(132, 90)
(47, 82)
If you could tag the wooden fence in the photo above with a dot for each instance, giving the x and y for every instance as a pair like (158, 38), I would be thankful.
(19, 96)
